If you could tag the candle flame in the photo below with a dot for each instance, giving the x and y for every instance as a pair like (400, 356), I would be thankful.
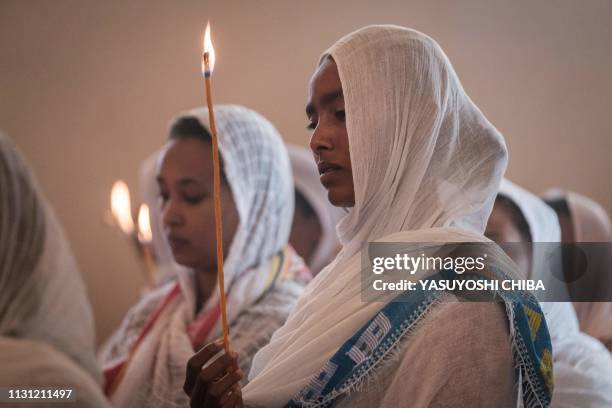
(208, 48)
(121, 206)
(144, 224)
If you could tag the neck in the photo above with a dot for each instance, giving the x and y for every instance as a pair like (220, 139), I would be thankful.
(206, 282)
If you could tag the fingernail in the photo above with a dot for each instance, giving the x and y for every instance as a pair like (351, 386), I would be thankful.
(219, 342)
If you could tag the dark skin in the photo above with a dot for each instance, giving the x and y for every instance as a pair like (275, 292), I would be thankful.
(330, 146)
(501, 229)
(567, 228)
(329, 141)
(305, 234)
(186, 197)
(215, 385)
(185, 181)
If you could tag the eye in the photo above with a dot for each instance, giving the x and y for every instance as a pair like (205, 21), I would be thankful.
(312, 122)
(163, 196)
(341, 115)
(194, 199)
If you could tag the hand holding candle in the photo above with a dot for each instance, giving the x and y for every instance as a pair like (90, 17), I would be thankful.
(208, 64)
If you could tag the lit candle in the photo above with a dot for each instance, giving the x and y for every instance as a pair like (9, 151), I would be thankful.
(121, 207)
(145, 236)
(208, 65)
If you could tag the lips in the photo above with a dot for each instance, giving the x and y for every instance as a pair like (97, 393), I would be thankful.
(325, 167)
(176, 242)
(327, 172)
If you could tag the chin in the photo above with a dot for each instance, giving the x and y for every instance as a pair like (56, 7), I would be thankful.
(184, 260)
(340, 198)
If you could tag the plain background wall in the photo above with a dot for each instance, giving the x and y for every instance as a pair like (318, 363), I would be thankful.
(87, 89)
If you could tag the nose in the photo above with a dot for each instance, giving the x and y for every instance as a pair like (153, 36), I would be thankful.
(171, 213)
(321, 139)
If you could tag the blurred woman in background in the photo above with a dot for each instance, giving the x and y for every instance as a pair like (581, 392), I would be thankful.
(46, 325)
(585, 221)
(313, 233)
(582, 365)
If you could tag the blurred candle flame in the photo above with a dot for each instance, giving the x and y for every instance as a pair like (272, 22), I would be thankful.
(121, 206)
(144, 224)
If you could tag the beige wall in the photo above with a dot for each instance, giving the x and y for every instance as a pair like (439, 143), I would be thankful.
(87, 88)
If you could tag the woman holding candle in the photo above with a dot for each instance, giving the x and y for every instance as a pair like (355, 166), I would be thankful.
(46, 324)
(403, 148)
(145, 360)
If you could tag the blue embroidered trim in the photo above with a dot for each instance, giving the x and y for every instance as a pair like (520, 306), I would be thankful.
(361, 354)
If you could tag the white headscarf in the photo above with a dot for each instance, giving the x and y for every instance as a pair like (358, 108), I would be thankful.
(256, 167)
(544, 228)
(589, 220)
(579, 360)
(590, 223)
(426, 168)
(42, 296)
(546, 234)
(306, 179)
(258, 173)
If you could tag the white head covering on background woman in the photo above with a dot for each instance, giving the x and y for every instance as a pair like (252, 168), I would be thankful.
(590, 223)
(43, 300)
(426, 167)
(583, 367)
(546, 235)
(306, 179)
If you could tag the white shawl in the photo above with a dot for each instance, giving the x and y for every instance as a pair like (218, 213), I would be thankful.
(426, 168)
(42, 296)
(37, 364)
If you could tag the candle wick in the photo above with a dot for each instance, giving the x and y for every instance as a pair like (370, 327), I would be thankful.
(206, 57)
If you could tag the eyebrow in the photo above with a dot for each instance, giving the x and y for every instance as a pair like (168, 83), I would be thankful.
(326, 99)
(187, 181)
(182, 182)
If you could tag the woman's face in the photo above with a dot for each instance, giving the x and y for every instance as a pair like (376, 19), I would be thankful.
(185, 181)
(329, 141)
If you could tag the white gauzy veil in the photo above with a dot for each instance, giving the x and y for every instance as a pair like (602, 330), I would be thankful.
(426, 168)
(42, 295)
